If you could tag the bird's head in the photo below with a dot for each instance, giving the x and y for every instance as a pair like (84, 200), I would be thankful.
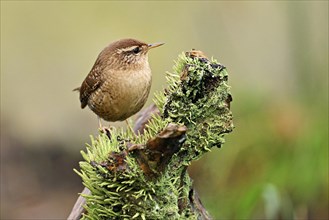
(127, 53)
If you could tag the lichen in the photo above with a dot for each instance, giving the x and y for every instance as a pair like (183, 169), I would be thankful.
(197, 97)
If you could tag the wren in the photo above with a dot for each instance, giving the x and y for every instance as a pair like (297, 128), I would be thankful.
(119, 83)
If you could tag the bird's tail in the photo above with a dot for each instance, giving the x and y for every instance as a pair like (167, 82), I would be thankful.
(76, 89)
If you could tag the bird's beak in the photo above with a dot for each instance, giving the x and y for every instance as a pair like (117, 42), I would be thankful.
(150, 46)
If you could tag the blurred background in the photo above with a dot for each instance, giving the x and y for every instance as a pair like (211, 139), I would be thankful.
(273, 166)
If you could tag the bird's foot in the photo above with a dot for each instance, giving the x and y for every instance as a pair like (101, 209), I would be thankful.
(131, 129)
(105, 130)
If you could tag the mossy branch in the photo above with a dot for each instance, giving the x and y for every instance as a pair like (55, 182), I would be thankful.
(145, 177)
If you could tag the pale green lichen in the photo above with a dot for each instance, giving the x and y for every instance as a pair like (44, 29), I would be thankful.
(199, 100)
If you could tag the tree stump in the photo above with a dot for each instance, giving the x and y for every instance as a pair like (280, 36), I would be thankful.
(145, 176)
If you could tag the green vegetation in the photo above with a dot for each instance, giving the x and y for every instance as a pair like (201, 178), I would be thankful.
(197, 97)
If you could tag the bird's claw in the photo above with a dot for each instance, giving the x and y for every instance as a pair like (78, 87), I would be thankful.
(105, 130)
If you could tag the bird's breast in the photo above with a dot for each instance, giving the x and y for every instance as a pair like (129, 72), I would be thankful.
(122, 94)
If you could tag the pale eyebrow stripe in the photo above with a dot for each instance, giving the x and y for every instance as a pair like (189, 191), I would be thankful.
(127, 48)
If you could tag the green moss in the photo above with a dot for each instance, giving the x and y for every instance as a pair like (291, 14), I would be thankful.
(198, 99)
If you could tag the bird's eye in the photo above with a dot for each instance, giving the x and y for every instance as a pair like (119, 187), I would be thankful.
(136, 50)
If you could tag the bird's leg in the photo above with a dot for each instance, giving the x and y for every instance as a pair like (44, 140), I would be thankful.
(103, 129)
(99, 122)
(130, 128)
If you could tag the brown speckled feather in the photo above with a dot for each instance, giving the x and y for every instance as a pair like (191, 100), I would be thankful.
(92, 82)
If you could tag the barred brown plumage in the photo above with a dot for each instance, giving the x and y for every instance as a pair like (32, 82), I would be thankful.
(119, 83)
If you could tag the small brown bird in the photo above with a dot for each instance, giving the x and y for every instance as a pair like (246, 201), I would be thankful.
(119, 83)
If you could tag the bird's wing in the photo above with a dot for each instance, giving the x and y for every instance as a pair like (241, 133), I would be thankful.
(92, 82)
